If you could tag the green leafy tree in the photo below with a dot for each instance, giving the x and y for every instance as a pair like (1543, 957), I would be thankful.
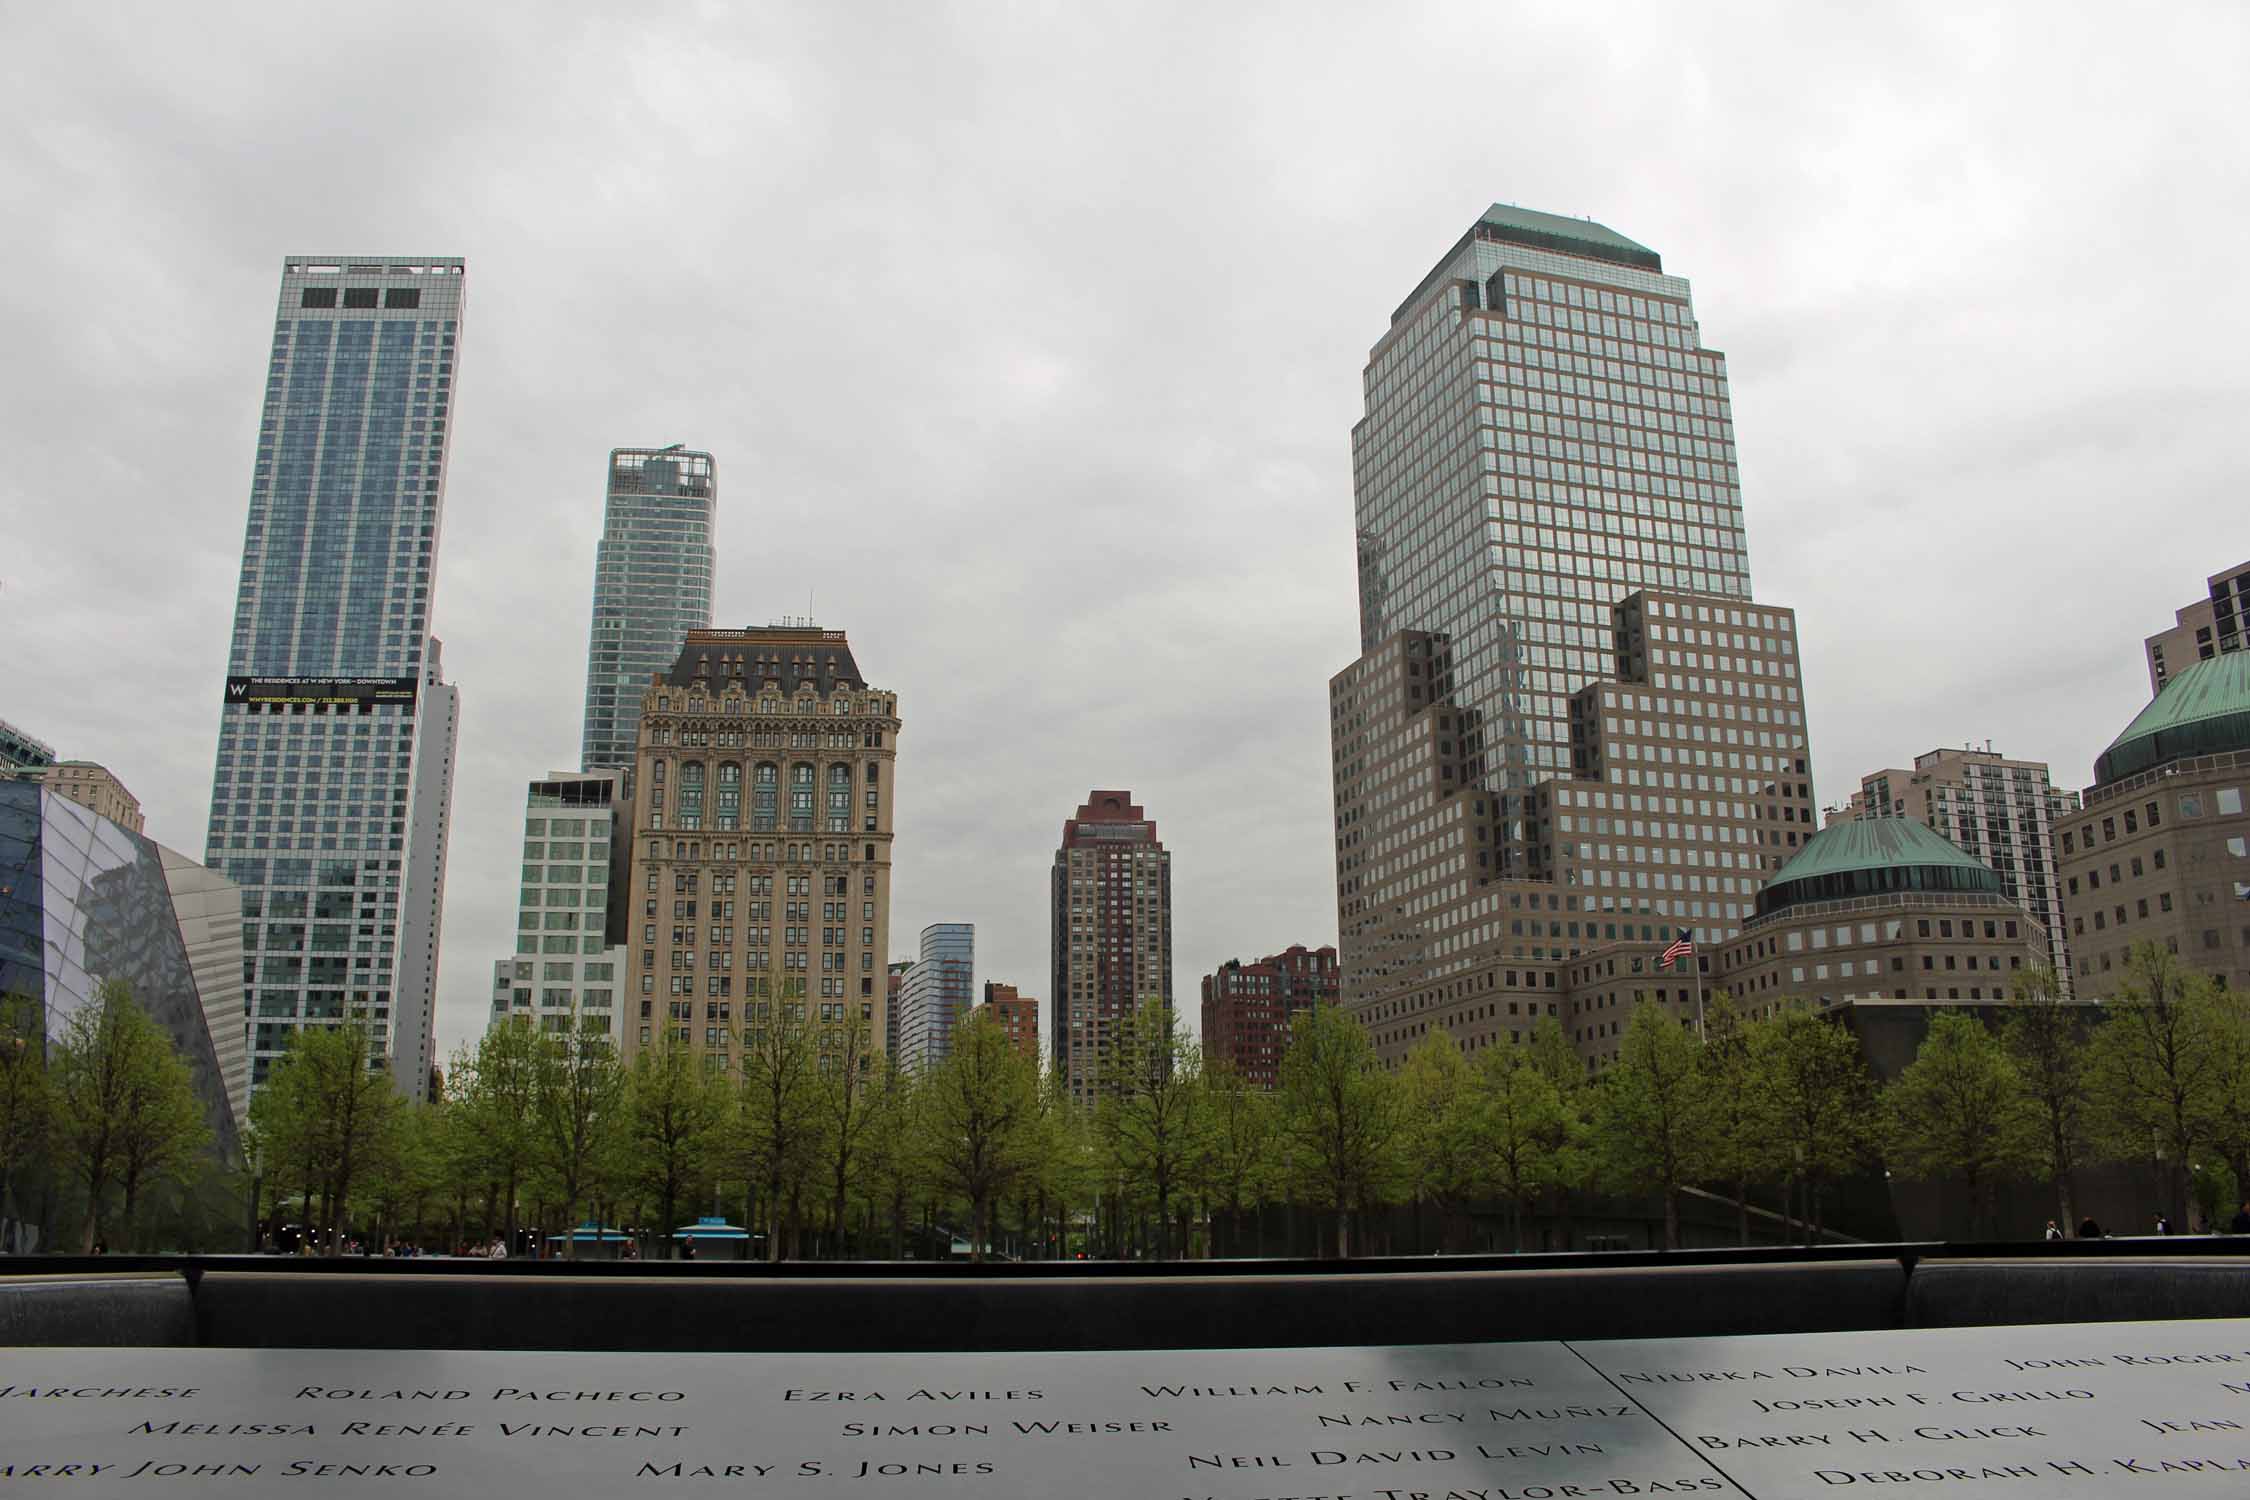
(1342, 1117)
(578, 1095)
(1652, 1111)
(163, 1134)
(978, 1105)
(675, 1116)
(405, 1176)
(116, 1082)
(27, 1100)
(1062, 1171)
(1517, 1117)
(2228, 1116)
(843, 1102)
(1438, 1139)
(1959, 1110)
(495, 1095)
(2152, 1065)
(1741, 1146)
(326, 1109)
(1151, 1112)
(778, 1116)
(895, 1163)
(1572, 1163)
(2045, 1038)
(1235, 1160)
(1818, 1093)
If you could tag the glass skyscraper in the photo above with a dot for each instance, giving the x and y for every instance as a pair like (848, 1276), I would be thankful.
(1544, 433)
(337, 730)
(1571, 732)
(652, 585)
(937, 994)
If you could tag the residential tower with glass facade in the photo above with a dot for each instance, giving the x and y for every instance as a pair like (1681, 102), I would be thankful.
(652, 585)
(336, 729)
(937, 994)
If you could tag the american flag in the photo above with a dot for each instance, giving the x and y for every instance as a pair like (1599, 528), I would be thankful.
(1682, 946)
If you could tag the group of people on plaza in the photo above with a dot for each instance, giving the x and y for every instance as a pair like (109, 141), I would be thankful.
(2088, 1229)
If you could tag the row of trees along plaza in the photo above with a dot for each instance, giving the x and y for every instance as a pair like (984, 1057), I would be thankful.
(824, 1150)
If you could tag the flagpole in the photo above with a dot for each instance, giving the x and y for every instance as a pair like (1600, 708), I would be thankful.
(1696, 959)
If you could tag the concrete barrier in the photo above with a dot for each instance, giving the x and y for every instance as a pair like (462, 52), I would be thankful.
(908, 1314)
(256, 1302)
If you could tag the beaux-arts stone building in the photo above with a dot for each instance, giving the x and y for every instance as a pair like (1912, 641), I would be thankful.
(760, 884)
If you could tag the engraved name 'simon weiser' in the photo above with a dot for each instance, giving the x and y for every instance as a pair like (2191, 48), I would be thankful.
(2083, 1410)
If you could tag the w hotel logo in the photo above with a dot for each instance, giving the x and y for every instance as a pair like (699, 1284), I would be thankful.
(320, 694)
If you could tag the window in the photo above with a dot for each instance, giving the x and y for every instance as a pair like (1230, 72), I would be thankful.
(359, 296)
(402, 296)
(2230, 800)
(800, 798)
(318, 296)
(765, 784)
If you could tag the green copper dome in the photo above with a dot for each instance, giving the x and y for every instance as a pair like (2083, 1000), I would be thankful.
(2203, 711)
(1874, 857)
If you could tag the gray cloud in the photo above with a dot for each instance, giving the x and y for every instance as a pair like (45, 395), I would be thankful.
(1030, 338)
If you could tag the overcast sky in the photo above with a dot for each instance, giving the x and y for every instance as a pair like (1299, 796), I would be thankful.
(1028, 338)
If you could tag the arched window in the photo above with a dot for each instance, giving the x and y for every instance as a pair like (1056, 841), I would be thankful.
(730, 796)
(800, 798)
(839, 798)
(764, 792)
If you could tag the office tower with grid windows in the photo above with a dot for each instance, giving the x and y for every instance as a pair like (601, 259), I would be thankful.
(1545, 432)
(2217, 623)
(2159, 850)
(652, 585)
(1017, 1016)
(569, 963)
(937, 993)
(760, 884)
(2005, 812)
(1570, 727)
(336, 728)
(1111, 930)
(1249, 1008)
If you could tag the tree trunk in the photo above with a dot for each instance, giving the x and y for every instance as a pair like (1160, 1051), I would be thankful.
(1742, 1210)
(1343, 1230)
(1671, 1216)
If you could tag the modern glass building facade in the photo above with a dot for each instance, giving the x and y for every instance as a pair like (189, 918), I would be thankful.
(652, 585)
(566, 966)
(84, 901)
(1545, 432)
(937, 993)
(337, 728)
